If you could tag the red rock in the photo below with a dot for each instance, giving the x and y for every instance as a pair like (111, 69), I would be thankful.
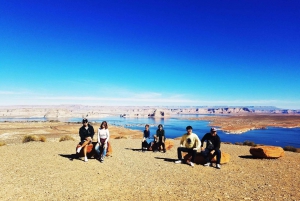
(199, 159)
(267, 152)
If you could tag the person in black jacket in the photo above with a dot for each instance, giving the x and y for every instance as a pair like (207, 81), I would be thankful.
(86, 133)
(213, 143)
(160, 138)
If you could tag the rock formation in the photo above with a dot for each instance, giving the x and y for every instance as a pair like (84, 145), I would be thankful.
(199, 159)
(267, 152)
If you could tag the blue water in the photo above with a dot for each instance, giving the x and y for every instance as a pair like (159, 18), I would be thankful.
(175, 127)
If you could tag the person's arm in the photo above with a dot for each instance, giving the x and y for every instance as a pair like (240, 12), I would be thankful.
(203, 139)
(198, 143)
(107, 136)
(218, 143)
(182, 140)
(79, 132)
(98, 135)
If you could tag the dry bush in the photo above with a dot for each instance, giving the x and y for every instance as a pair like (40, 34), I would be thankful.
(290, 148)
(66, 138)
(30, 138)
(43, 138)
(249, 143)
(121, 137)
(226, 142)
(238, 143)
(297, 150)
(2, 144)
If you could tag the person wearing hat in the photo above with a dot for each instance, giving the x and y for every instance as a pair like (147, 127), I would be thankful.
(191, 144)
(86, 133)
(213, 143)
(160, 138)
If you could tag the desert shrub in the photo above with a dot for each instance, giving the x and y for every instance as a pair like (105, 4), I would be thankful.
(66, 138)
(297, 150)
(238, 143)
(249, 143)
(2, 144)
(290, 148)
(120, 137)
(227, 143)
(42, 138)
(30, 138)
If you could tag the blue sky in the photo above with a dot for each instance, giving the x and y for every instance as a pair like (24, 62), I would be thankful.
(190, 53)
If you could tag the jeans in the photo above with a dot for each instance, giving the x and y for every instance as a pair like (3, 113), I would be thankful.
(188, 150)
(98, 149)
(217, 153)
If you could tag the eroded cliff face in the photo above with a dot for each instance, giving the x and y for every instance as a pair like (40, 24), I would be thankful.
(68, 111)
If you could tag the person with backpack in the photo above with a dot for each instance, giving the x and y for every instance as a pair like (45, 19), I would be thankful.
(103, 137)
(213, 143)
(86, 133)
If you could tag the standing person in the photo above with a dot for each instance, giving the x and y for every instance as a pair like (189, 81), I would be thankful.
(86, 133)
(160, 138)
(103, 137)
(213, 143)
(191, 144)
(146, 139)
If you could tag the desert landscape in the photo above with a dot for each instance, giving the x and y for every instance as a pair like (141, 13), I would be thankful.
(47, 170)
(242, 123)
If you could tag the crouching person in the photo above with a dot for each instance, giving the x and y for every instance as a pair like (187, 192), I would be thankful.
(191, 145)
(86, 133)
(213, 143)
(103, 137)
(146, 142)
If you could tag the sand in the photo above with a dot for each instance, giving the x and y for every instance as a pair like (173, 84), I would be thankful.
(43, 171)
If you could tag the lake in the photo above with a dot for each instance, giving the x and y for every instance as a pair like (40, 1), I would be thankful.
(175, 127)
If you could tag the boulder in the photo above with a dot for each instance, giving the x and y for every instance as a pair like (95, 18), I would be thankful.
(199, 159)
(168, 144)
(91, 150)
(267, 151)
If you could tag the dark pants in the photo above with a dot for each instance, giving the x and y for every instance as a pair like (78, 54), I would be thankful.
(184, 149)
(159, 144)
(145, 144)
(217, 153)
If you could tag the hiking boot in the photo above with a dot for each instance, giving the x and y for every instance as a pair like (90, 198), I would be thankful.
(192, 164)
(164, 151)
(86, 159)
(207, 164)
(218, 166)
(178, 162)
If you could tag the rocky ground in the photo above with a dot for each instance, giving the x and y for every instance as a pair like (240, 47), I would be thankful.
(44, 171)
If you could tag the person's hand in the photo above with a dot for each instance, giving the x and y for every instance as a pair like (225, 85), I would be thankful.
(99, 143)
(105, 146)
(202, 149)
(195, 149)
(181, 145)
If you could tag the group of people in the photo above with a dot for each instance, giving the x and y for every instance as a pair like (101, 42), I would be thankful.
(86, 133)
(189, 143)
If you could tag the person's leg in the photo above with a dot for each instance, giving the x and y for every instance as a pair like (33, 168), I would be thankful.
(218, 154)
(205, 154)
(97, 150)
(164, 146)
(193, 153)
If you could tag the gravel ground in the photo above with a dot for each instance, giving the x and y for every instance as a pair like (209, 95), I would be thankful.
(43, 171)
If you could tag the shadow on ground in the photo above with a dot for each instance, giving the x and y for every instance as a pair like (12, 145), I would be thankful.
(133, 149)
(167, 159)
(70, 156)
(248, 157)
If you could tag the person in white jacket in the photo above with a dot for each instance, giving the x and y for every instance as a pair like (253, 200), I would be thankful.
(103, 137)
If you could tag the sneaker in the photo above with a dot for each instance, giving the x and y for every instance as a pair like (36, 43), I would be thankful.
(79, 149)
(207, 164)
(218, 166)
(192, 164)
(178, 162)
(86, 159)
(165, 151)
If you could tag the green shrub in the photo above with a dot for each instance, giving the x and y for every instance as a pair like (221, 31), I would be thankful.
(30, 138)
(2, 144)
(66, 138)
